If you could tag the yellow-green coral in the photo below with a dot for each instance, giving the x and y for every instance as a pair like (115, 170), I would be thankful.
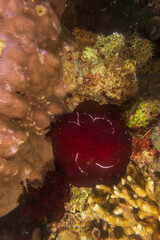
(140, 115)
(110, 45)
(90, 55)
(128, 65)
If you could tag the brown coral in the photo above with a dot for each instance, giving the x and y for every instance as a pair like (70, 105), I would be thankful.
(31, 92)
(133, 205)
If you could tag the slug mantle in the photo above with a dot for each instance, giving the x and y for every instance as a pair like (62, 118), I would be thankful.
(92, 144)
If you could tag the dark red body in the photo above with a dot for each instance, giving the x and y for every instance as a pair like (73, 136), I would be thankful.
(92, 144)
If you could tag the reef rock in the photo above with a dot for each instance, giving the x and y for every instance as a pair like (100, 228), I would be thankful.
(103, 68)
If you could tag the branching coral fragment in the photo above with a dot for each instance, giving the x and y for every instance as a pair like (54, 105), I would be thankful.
(129, 210)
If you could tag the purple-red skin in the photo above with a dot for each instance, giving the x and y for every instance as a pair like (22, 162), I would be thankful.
(92, 144)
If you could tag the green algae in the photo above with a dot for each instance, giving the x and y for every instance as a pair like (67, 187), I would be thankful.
(143, 113)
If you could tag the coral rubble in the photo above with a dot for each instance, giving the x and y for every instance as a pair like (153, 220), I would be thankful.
(31, 92)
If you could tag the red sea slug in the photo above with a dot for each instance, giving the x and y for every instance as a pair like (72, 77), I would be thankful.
(92, 144)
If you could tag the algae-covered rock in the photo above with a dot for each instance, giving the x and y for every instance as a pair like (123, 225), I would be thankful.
(143, 113)
(105, 69)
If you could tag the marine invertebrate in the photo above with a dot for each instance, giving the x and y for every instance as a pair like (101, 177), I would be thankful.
(31, 92)
(91, 144)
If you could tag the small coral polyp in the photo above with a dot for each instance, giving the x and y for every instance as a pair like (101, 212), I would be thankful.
(91, 144)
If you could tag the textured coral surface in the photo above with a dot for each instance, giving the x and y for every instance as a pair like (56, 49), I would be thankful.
(31, 92)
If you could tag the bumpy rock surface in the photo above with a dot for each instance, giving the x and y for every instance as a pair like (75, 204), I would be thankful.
(31, 92)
